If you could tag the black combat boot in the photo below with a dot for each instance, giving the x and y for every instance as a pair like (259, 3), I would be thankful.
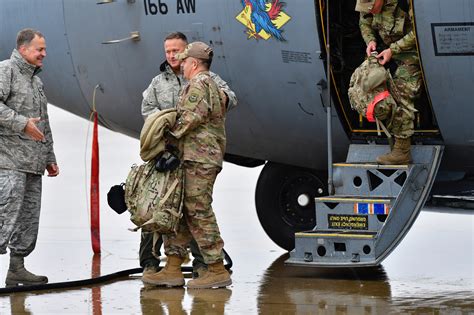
(17, 274)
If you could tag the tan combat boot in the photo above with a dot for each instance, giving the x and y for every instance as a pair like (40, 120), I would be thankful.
(170, 275)
(17, 274)
(400, 153)
(149, 270)
(215, 277)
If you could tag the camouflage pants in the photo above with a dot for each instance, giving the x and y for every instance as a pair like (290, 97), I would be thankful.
(407, 80)
(20, 204)
(147, 259)
(198, 219)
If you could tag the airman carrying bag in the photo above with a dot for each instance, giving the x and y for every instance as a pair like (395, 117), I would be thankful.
(154, 198)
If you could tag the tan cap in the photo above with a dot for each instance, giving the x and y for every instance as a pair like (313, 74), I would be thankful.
(364, 6)
(198, 50)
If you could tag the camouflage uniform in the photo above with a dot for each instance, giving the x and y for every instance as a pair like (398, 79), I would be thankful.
(22, 160)
(200, 127)
(163, 93)
(394, 27)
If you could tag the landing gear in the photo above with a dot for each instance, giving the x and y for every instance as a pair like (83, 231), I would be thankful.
(284, 199)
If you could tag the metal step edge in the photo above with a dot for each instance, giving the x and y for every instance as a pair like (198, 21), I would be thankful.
(372, 166)
(351, 199)
(334, 235)
(298, 263)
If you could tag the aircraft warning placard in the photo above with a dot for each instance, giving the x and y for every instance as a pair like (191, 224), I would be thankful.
(453, 39)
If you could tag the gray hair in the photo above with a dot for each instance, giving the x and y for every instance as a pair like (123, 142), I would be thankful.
(25, 36)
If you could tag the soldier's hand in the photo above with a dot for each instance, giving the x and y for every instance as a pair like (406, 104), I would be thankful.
(385, 56)
(53, 170)
(33, 131)
(372, 46)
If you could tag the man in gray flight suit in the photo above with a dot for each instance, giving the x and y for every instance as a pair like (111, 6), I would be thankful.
(26, 151)
(163, 93)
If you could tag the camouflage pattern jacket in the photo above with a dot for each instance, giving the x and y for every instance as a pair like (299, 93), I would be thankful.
(21, 98)
(163, 92)
(201, 121)
(394, 27)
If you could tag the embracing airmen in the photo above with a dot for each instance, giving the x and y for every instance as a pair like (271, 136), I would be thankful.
(163, 93)
(26, 151)
(201, 129)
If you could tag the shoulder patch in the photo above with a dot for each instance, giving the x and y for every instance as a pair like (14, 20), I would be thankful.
(193, 98)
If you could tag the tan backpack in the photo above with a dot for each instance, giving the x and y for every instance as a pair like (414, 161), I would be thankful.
(155, 199)
(370, 91)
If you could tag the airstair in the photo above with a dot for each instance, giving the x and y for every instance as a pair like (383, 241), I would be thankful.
(373, 208)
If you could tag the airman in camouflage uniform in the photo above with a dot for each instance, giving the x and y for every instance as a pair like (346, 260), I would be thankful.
(161, 94)
(386, 26)
(26, 151)
(201, 129)
(164, 89)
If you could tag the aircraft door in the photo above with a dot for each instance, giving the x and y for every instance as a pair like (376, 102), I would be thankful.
(107, 51)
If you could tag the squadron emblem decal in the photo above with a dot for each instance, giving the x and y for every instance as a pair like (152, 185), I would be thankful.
(263, 19)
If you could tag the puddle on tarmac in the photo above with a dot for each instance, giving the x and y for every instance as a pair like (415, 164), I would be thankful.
(430, 272)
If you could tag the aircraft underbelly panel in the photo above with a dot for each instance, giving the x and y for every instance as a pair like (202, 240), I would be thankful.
(445, 32)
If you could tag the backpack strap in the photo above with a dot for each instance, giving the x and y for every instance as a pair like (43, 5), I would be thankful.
(384, 129)
(168, 193)
(377, 99)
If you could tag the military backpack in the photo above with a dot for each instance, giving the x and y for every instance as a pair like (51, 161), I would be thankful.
(369, 90)
(154, 198)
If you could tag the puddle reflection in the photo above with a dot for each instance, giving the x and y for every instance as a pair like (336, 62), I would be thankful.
(281, 290)
(155, 300)
(18, 305)
(301, 290)
(96, 291)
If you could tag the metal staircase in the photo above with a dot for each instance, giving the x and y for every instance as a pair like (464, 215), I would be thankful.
(373, 208)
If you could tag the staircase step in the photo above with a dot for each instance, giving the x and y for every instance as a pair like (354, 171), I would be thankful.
(341, 213)
(337, 234)
(352, 199)
(372, 166)
(328, 247)
(369, 179)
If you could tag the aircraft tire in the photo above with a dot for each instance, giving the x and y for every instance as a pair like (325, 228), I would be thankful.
(284, 199)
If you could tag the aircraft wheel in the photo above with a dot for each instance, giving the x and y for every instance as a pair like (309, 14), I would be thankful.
(284, 198)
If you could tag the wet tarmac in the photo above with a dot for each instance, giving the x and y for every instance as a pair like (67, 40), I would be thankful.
(430, 272)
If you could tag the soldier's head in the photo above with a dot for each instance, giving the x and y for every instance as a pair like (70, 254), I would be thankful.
(31, 45)
(174, 43)
(196, 57)
(369, 6)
